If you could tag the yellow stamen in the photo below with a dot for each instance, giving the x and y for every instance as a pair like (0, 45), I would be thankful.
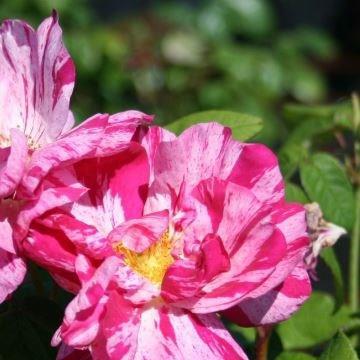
(151, 263)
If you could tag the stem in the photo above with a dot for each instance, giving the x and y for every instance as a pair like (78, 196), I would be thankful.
(354, 257)
(355, 263)
(263, 334)
(356, 111)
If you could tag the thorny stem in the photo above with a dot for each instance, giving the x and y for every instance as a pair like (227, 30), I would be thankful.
(263, 334)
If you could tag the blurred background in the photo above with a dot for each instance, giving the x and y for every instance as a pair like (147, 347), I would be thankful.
(171, 58)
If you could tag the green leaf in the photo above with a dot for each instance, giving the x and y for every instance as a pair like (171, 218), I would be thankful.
(307, 130)
(329, 257)
(295, 193)
(275, 346)
(306, 84)
(255, 19)
(300, 112)
(333, 115)
(292, 355)
(245, 334)
(339, 348)
(299, 142)
(243, 126)
(314, 42)
(290, 157)
(314, 323)
(325, 181)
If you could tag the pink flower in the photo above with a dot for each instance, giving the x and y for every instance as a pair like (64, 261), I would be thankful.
(36, 81)
(12, 267)
(169, 233)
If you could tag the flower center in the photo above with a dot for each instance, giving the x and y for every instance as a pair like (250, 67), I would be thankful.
(151, 263)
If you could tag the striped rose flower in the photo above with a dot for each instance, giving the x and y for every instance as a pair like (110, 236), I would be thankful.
(169, 234)
(36, 81)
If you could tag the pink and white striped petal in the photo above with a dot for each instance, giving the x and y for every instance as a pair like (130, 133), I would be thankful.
(68, 353)
(276, 305)
(60, 188)
(12, 273)
(289, 218)
(258, 169)
(12, 162)
(36, 80)
(200, 152)
(150, 138)
(139, 234)
(161, 333)
(81, 322)
(186, 277)
(79, 143)
(86, 238)
(117, 188)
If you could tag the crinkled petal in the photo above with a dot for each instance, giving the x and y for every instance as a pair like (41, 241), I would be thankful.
(86, 238)
(36, 80)
(85, 269)
(276, 305)
(182, 280)
(186, 277)
(56, 76)
(12, 273)
(49, 248)
(82, 315)
(18, 76)
(99, 136)
(117, 189)
(70, 122)
(200, 152)
(162, 333)
(12, 164)
(68, 353)
(117, 337)
(290, 220)
(215, 257)
(121, 130)
(60, 188)
(139, 234)
(134, 287)
(153, 137)
(66, 280)
(81, 142)
(263, 249)
(257, 169)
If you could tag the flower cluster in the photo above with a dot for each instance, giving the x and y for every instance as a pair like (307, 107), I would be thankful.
(157, 236)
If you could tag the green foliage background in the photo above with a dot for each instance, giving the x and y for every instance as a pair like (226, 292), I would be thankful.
(173, 61)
